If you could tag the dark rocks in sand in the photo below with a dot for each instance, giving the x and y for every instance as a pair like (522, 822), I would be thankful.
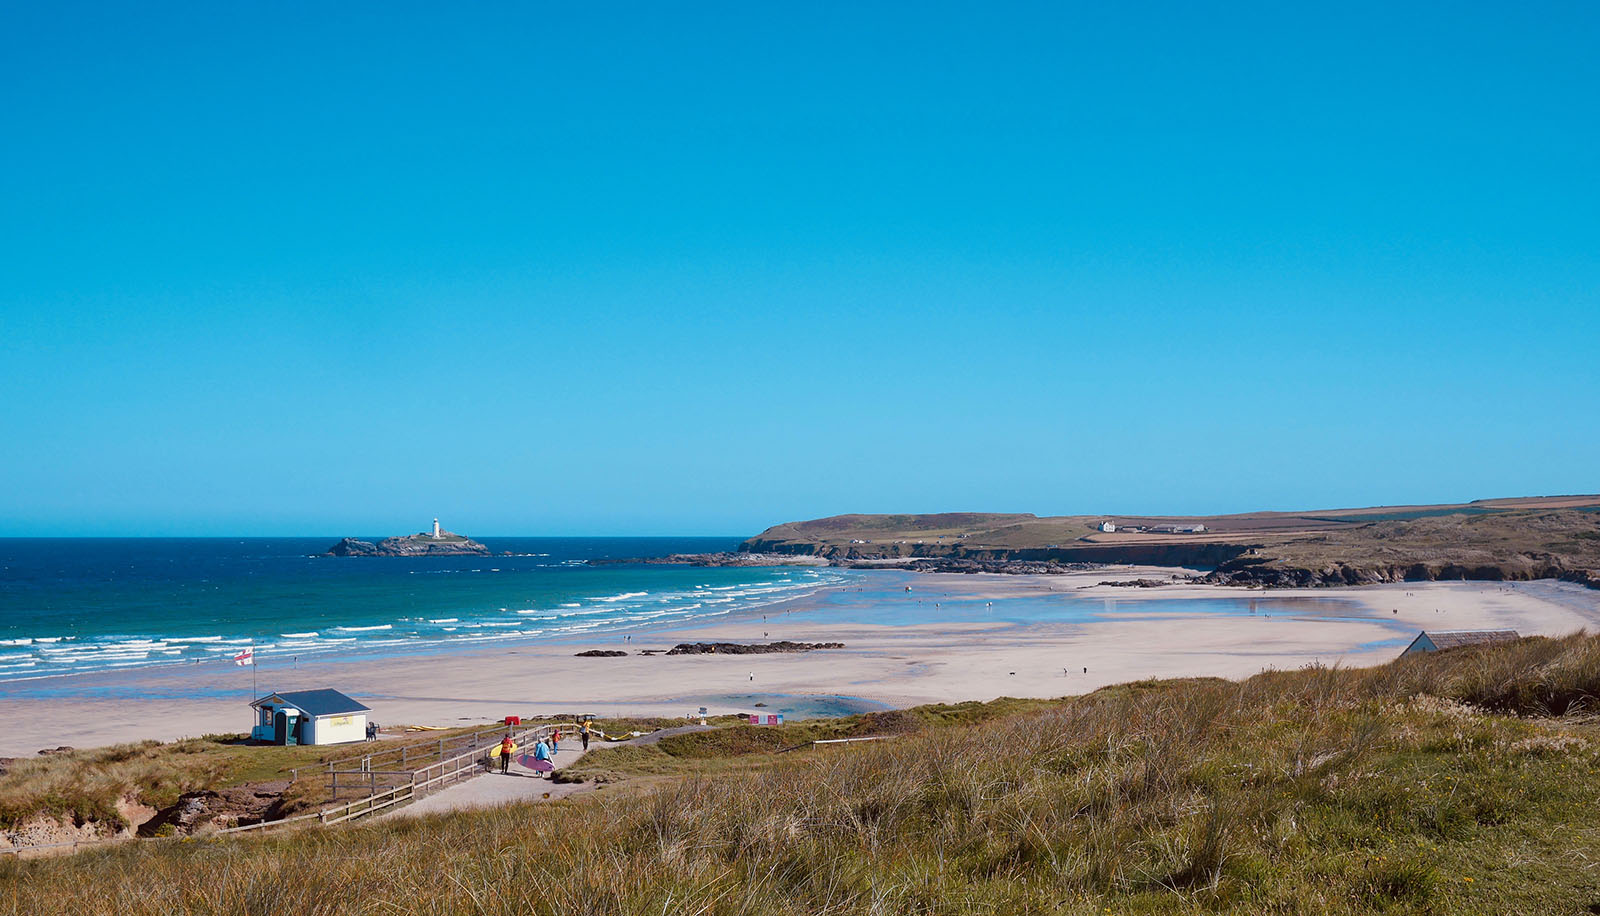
(602, 653)
(1138, 583)
(733, 648)
(63, 749)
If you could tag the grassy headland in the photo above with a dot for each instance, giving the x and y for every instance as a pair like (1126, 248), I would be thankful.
(1457, 782)
(1508, 539)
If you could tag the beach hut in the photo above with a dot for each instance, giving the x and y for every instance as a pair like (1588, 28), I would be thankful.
(1435, 640)
(309, 717)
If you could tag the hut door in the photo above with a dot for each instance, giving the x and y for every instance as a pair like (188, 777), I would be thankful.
(280, 728)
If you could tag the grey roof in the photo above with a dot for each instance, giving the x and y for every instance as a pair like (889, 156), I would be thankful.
(324, 702)
(1453, 639)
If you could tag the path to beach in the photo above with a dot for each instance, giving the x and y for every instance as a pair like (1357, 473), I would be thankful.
(521, 785)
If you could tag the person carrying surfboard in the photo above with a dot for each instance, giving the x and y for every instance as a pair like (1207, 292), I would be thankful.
(583, 734)
(541, 751)
(507, 748)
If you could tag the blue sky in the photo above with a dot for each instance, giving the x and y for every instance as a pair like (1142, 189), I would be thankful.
(700, 268)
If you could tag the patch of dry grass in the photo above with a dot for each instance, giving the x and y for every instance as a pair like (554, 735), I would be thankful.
(1316, 791)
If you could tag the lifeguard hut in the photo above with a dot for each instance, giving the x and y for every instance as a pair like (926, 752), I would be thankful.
(322, 716)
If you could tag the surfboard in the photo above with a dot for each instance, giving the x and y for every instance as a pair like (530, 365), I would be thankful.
(495, 751)
(535, 764)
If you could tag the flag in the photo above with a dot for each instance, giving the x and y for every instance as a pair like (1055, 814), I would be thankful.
(246, 657)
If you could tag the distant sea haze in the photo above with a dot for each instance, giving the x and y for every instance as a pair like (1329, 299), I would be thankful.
(93, 604)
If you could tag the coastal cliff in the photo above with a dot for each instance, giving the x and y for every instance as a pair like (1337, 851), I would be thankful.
(1493, 540)
(445, 544)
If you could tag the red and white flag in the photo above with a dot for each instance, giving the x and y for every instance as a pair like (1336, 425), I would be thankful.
(245, 657)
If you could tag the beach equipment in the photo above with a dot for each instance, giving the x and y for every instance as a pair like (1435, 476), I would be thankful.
(536, 764)
(766, 719)
(495, 751)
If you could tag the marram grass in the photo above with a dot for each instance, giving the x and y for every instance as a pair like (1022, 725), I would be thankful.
(1391, 790)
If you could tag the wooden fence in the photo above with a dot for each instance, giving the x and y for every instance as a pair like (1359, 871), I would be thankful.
(417, 784)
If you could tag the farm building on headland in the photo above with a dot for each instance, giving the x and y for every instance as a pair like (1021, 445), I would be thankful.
(1435, 640)
(309, 717)
(1108, 527)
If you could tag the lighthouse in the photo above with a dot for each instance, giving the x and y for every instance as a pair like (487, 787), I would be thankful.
(436, 529)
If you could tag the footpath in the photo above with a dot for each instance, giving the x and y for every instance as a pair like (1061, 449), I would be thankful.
(520, 785)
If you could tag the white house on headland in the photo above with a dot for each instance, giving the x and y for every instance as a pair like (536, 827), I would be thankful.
(1108, 527)
(309, 717)
(1435, 640)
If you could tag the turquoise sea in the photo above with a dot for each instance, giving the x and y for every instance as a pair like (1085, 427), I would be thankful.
(70, 606)
(89, 604)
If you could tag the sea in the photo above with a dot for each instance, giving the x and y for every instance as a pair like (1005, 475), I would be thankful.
(73, 605)
(79, 605)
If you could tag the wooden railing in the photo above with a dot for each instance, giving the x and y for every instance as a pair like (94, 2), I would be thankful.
(418, 783)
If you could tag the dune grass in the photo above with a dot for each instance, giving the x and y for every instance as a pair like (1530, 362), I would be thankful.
(1436, 784)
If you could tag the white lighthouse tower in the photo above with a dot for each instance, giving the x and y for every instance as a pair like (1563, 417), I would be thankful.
(436, 529)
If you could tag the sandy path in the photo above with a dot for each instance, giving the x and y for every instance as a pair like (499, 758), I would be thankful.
(521, 785)
(491, 789)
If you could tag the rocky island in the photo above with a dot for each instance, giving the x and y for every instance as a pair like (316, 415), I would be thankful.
(435, 543)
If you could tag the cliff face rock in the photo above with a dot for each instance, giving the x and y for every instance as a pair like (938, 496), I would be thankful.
(411, 545)
(1261, 573)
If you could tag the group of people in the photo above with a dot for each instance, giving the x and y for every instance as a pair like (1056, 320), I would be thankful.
(545, 748)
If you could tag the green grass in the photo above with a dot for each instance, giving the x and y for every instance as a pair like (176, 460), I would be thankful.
(1319, 791)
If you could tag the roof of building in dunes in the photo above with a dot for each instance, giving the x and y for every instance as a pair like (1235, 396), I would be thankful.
(1453, 639)
(324, 702)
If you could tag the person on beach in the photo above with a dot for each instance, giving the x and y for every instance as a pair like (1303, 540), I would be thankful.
(507, 748)
(583, 733)
(555, 741)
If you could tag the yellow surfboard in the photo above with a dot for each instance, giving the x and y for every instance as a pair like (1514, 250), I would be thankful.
(495, 751)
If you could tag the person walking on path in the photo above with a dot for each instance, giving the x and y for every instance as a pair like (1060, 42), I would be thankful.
(541, 751)
(583, 733)
(555, 741)
(507, 748)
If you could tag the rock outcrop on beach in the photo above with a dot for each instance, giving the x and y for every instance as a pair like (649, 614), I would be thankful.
(734, 648)
(602, 653)
(411, 545)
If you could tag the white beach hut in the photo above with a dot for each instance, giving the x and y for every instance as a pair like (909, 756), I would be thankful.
(322, 716)
(1436, 640)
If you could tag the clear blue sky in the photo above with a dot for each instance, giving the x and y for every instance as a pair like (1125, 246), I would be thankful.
(278, 268)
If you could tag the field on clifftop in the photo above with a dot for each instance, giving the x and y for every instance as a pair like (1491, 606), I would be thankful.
(1461, 782)
(1509, 539)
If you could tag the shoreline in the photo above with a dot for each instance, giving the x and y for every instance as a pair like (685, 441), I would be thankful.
(1004, 635)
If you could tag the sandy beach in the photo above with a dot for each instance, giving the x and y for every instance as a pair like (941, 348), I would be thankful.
(1134, 634)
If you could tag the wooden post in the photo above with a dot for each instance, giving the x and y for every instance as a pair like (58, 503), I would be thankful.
(404, 752)
(335, 784)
